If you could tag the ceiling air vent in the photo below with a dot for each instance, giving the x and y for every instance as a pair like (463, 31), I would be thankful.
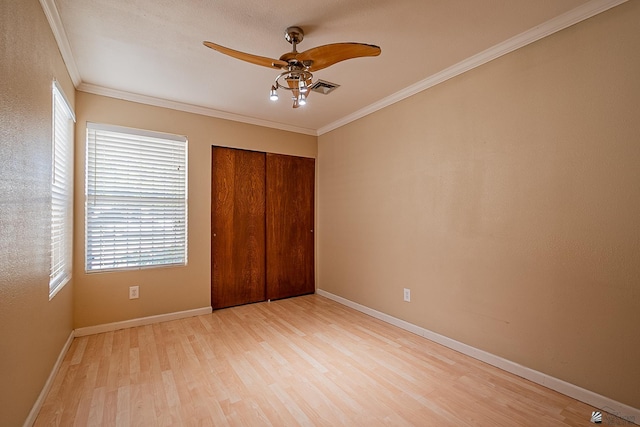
(324, 87)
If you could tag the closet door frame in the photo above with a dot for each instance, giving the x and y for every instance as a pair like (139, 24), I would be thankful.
(262, 226)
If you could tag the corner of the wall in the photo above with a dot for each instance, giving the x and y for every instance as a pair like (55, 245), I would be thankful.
(33, 414)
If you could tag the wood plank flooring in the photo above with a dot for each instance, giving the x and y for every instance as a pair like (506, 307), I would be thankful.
(303, 361)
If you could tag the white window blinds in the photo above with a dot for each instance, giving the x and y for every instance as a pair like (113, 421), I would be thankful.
(136, 198)
(61, 192)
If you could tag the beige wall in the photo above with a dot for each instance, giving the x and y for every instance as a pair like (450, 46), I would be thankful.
(33, 329)
(104, 297)
(508, 200)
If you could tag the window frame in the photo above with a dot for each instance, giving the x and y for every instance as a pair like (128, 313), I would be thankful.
(62, 186)
(112, 211)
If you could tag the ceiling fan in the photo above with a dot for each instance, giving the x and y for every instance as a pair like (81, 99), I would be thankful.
(297, 66)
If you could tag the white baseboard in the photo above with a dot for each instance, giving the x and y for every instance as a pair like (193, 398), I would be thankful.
(90, 330)
(31, 418)
(604, 403)
(108, 327)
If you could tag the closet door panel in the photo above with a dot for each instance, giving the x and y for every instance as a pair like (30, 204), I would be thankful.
(290, 222)
(237, 227)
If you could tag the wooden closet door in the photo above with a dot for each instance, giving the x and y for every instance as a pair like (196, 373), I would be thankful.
(237, 227)
(290, 243)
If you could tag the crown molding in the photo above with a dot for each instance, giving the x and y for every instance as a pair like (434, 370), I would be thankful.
(190, 108)
(51, 12)
(55, 22)
(552, 26)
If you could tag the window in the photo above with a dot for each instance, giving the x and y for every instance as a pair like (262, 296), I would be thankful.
(61, 192)
(136, 199)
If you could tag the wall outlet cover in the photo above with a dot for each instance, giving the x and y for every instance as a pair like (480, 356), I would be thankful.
(134, 292)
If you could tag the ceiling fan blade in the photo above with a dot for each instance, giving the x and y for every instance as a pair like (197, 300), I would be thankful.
(254, 59)
(294, 85)
(308, 82)
(329, 54)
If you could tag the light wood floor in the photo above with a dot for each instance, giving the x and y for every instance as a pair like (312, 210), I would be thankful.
(300, 361)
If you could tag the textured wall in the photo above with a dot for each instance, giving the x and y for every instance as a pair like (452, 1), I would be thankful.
(104, 297)
(508, 200)
(33, 329)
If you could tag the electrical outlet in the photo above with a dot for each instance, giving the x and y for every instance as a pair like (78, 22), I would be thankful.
(407, 295)
(134, 292)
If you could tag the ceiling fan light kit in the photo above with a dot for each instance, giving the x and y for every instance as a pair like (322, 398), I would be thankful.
(297, 67)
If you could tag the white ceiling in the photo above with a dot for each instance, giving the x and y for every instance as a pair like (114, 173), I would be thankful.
(151, 50)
